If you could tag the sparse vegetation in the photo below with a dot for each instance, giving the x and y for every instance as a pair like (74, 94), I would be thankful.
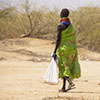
(42, 24)
(87, 22)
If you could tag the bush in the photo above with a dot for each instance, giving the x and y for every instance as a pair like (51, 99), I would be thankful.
(43, 24)
(87, 22)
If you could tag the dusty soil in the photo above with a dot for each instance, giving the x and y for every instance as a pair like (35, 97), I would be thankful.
(22, 66)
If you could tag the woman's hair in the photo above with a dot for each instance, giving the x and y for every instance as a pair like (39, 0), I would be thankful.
(64, 13)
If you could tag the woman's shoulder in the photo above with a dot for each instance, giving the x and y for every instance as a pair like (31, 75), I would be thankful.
(61, 26)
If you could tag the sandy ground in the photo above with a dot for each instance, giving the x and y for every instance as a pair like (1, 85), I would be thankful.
(22, 66)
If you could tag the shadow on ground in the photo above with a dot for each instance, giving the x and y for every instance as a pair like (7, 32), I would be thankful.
(63, 98)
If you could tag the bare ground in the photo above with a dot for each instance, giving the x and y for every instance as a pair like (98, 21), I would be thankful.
(22, 66)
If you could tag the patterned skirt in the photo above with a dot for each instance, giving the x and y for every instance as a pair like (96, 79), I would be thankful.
(68, 59)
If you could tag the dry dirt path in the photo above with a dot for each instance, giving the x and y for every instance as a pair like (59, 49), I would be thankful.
(22, 66)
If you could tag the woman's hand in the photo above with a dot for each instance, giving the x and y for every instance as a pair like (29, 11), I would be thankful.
(54, 55)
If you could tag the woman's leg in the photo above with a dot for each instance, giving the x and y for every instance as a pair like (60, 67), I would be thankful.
(64, 85)
(71, 84)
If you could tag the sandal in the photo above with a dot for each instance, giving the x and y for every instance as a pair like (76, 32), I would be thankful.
(70, 86)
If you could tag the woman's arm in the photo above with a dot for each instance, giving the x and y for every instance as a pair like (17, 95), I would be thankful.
(60, 28)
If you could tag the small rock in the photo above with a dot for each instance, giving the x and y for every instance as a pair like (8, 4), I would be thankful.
(98, 83)
(85, 80)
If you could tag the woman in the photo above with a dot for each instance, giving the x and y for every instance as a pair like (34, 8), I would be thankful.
(68, 64)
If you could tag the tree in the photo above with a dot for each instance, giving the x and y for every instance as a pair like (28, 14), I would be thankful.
(34, 17)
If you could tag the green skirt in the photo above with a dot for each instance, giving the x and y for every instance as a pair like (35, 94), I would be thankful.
(68, 63)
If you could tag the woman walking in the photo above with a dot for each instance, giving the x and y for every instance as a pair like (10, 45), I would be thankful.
(66, 51)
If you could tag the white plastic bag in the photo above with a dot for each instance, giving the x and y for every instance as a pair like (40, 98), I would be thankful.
(51, 74)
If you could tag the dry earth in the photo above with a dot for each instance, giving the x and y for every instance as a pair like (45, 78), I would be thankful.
(22, 66)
